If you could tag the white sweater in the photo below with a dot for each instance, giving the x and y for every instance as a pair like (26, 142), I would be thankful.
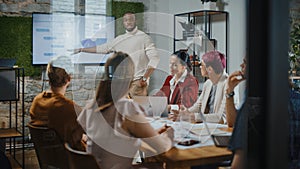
(140, 48)
(219, 114)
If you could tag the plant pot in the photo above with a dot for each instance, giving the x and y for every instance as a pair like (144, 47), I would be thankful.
(210, 6)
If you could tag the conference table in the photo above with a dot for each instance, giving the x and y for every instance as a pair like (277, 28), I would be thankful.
(183, 157)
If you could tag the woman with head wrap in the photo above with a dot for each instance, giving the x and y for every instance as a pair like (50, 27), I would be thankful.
(212, 100)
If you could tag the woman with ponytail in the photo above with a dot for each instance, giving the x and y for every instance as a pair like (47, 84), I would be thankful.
(181, 87)
(53, 110)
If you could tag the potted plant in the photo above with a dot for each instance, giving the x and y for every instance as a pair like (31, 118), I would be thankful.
(294, 51)
(294, 55)
(214, 4)
(209, 4)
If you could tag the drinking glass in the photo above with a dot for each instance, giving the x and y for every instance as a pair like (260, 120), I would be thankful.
(185, 124)
(158, 104)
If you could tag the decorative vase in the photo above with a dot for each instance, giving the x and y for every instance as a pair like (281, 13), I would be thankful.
(210, 6)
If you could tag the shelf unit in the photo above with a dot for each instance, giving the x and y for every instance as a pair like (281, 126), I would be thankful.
(12, 93)
(199, 32)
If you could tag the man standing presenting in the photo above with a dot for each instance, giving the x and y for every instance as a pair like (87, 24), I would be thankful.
(140, 48)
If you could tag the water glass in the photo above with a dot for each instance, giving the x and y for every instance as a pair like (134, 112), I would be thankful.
(158, 105)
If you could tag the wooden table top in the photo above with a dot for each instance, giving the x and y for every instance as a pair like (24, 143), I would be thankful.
(9, 132)
(177, 158)
(185, 158)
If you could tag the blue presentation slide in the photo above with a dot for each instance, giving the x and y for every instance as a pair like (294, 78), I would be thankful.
(54, 34)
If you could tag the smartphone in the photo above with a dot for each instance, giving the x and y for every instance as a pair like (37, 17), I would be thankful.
(188, 142)
(221, 140)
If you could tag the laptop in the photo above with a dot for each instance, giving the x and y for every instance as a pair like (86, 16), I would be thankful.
(220, 140)
(152, 104)
(143, 101)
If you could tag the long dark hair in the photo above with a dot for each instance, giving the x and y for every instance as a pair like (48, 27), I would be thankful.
(118, 74)
(184, 59)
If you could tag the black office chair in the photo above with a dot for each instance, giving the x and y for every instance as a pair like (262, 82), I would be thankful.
(80, 160)
(49, 148)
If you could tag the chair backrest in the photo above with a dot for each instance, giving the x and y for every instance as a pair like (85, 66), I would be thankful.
(80, 159)
(49, 148)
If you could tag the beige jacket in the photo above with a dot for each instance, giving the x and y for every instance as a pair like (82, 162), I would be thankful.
(140, 48)
(219, 115)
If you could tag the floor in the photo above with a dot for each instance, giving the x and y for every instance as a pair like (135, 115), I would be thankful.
(31, 161)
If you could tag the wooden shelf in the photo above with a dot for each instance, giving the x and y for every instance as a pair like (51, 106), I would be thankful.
(207, 12)
(202, 13)
(10, 133)
(15, 111)
(186, 28)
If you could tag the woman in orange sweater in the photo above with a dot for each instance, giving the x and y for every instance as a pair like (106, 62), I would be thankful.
(52, 109)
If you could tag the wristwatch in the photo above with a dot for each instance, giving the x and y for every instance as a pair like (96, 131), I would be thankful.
(144, 79)
(228, 95)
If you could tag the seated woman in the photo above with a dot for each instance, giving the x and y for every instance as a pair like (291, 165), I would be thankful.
(115, 125)
(181, 87)
(212, 99)
(235, 118)
(234, 79)
(52, 109)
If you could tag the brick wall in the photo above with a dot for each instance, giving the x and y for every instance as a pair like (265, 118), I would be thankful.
(23, 7)
(81, 89)
(27, 7)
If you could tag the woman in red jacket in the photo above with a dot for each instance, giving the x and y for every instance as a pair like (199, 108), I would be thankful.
(181, 87)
